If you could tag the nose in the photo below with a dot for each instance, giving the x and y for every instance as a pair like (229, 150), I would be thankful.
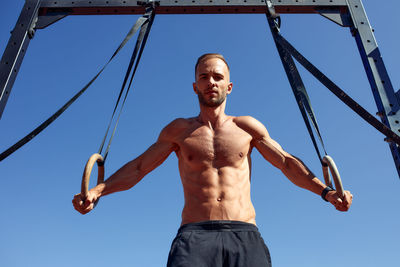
(211, 81)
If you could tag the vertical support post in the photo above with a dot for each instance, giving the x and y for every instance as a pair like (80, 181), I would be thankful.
(16, 48)
(381, 85)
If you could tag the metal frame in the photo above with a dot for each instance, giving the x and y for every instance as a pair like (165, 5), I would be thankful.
(38, 14)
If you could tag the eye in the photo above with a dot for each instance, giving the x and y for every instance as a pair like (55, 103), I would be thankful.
(218, 77)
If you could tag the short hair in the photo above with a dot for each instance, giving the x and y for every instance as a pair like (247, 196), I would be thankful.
(208, 56)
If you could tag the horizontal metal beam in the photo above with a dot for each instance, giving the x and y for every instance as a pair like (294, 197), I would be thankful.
(107, 7)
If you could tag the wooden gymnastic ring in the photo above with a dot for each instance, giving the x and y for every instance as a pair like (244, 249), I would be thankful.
(88, 170)
(330, 165)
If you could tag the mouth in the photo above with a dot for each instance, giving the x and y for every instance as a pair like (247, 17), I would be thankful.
(212, 93)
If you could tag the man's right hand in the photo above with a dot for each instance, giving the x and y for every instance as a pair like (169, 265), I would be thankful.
(84, 205)
(335, 200)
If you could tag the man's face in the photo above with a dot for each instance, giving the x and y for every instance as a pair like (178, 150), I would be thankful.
(212, 82)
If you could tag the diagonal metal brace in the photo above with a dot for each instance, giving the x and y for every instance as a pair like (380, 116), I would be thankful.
(16, 48)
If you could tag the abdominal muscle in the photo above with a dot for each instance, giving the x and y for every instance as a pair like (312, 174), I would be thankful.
(217, 194)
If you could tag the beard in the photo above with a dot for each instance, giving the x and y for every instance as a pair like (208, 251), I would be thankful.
(214, 102)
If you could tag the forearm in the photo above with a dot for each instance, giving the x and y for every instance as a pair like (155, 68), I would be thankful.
(298, 173)
(123, 179)
(132, 172)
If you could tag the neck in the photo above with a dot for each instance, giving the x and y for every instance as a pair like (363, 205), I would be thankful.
(213, 116)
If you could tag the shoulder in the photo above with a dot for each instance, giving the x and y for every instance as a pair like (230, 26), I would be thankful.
(179, 124)
(176, 127)
(252, 126)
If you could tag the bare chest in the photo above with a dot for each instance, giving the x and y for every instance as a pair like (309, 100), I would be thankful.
(228, 146)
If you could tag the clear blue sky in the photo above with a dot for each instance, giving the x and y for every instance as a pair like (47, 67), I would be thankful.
(38, 225)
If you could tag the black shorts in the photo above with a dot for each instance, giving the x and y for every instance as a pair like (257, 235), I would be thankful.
(218, 244)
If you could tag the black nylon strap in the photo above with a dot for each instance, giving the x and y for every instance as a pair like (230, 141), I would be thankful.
(52, 118)
(298, 89)
(351, 103)
(302, 99)
(139, 47)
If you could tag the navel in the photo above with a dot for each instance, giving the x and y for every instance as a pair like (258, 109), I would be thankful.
(241, 154)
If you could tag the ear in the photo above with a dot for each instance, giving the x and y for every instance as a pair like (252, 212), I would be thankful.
(195, 88)
(229, 89)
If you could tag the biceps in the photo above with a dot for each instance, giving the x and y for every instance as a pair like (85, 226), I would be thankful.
(272, 151)
(154, 156)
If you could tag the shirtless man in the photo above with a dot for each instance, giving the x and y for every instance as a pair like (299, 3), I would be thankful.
(213, 150)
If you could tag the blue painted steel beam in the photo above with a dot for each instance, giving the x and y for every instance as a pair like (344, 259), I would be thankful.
(96, 7)
(16, 49)
(386, 100)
